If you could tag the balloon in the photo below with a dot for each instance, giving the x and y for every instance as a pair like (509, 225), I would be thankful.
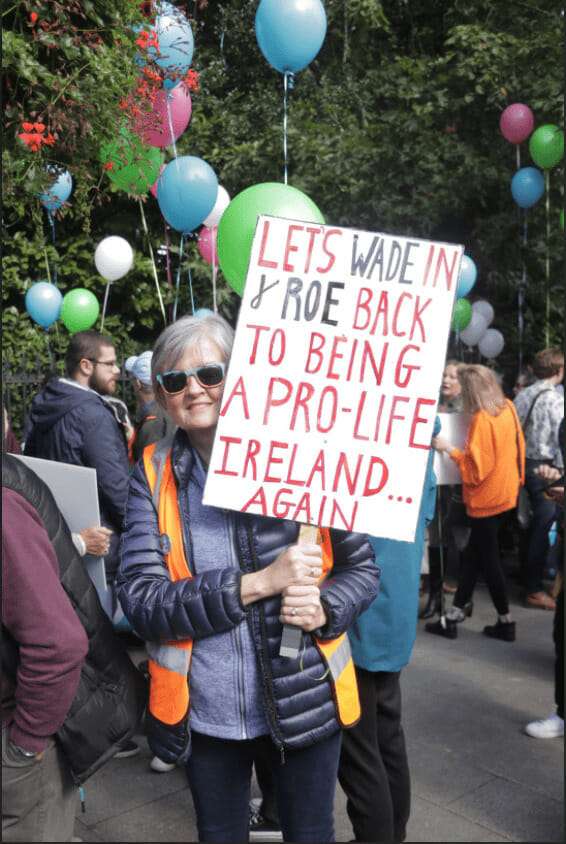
(475, 329)
(461, 314)
(186, 192)
(484, 308)
(58, 192)
(131, 166)
(491, 344)
(467, 276)
(527, 186)
(237, 226)
(207, 244)
(113, 258)
(516, 123)
(176, 43)
(547, 146)
(154, 127)
(153, 188)
(79, 310)
(43, 303)
(290, 32)
(221, 204)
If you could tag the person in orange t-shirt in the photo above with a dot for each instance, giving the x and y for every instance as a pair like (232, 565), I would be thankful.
(492, 466)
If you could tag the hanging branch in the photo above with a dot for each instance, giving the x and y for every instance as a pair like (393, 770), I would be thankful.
(160, 297)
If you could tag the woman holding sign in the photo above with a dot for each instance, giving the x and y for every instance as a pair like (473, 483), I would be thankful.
(210, 589)
(492, 466)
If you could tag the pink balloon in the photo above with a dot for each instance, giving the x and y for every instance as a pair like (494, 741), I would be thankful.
(516, 123)
(153, 188)
(207, 244)
(154, 127)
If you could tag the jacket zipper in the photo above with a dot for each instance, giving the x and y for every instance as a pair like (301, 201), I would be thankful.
(265, 659)
(238, 636)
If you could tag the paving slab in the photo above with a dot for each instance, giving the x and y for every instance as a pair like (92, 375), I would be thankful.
(169, 818)
(430, 822)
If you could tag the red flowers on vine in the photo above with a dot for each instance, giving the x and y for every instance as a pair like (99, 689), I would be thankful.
(34, 137)
(191, 80)
(33, 16)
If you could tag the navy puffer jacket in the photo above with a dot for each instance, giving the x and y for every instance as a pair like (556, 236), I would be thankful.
(72, 424)
(298, 703)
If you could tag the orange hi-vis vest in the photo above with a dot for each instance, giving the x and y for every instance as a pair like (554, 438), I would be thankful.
(169, 663)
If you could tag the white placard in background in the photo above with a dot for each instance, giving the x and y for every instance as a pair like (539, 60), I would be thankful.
(331, 394)
(75, 492)
(455, 428)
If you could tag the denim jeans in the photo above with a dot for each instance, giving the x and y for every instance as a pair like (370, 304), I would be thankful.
(544, 512)
(219, 773)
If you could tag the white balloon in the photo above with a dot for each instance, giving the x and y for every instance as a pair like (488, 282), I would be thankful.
(484, 308)
(222, 202)
(474, 330)
(491, 344)
(113, 258)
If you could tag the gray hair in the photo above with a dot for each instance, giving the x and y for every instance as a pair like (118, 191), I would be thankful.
(188, 332)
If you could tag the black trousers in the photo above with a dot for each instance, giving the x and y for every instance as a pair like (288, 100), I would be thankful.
(374, 771)
(559, 654)
(482, 553)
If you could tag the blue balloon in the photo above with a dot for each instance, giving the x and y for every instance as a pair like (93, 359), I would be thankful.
(467, 277)
(290, 32)
(43, 303)
(59, 191)
(527, 186)
(186, 192)
(176, 44)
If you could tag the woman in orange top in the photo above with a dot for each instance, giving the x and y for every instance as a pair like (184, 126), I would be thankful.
(492, 466)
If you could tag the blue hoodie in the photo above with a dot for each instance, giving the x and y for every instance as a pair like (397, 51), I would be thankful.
(72, 424)
(382, 638)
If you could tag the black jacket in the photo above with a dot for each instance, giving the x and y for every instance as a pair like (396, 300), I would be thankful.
(299, 705)
(74, 425)
(111, 696)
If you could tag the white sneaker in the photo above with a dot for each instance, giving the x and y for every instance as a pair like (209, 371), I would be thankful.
(455, 614)
(161, 767)
(551, 727)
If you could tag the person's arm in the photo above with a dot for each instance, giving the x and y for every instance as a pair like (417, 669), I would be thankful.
(104, 450)
(39, 617)
(477, 459)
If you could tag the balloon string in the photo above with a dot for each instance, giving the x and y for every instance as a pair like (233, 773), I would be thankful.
(146, 231)
(47, 266)
(53, 238)
(547, 260)
(522, 289)
(104, 305)
(170, 120)
(191, 290)
(178, 279)
(49, 351)
(288, 84)
(518, 148)
(214, 306)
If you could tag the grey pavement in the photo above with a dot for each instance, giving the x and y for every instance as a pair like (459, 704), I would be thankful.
(475, 775)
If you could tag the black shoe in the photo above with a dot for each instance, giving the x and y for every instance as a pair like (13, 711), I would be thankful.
(262, 829)
(127, 749)
(504, 630)
(443, 627)
(432, 606)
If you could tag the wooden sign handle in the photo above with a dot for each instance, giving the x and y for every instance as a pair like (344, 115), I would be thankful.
(292, 637)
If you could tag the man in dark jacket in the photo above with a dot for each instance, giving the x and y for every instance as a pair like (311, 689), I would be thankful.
(71, 423)
(70, 694)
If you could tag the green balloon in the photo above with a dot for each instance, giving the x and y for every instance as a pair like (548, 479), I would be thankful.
(131, 166)
(461, 315)
(79, 310)
(547, 146)
(238, 223)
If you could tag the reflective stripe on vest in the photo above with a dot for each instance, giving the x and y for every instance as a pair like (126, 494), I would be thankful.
(169, 663)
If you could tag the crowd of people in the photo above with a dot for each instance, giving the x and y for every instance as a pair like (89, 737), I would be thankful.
(207, 592)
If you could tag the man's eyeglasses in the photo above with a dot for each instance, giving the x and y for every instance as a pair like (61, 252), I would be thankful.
(103, 362)
(208, 375)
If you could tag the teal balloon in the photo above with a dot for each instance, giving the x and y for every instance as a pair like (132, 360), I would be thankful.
(238, 223)
(186, 192)
(43, 303)
(290, 32)
(546, 146)
(461, 315)
(59, 191)
(467, 276)
(527, 186)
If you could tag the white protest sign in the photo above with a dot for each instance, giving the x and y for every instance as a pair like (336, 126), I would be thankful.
(455, 429)
(76, 495)
(331, 394)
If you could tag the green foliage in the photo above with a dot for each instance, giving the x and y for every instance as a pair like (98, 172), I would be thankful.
(394, 127)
